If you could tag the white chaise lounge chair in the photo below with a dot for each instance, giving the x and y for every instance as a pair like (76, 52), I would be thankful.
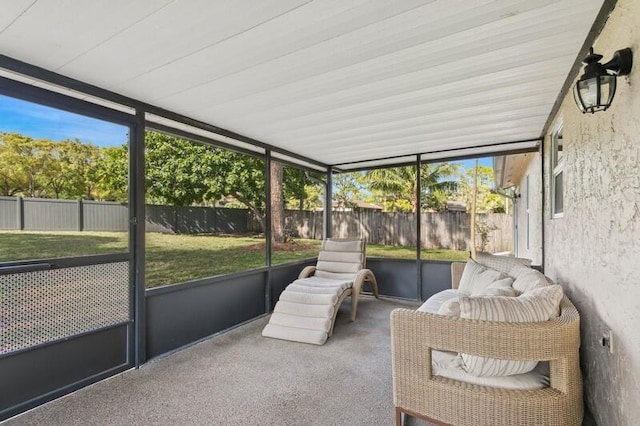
(307, 308)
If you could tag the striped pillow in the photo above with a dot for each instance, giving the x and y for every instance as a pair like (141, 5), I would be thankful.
(503, 264)
(539, 305)
(476, 278)
(471, 271)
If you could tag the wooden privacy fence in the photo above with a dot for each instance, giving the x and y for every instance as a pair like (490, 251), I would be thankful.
(446, 230)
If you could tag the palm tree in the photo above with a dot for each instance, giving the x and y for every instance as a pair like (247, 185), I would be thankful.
(400, 183)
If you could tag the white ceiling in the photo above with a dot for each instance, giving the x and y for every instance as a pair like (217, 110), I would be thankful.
(335, 80)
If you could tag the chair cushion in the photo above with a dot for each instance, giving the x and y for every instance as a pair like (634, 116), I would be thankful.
(338, 267)
(503, 264)
(537, 305)
(340, 259)
(341, 256)
(338, 276)
(343, 245)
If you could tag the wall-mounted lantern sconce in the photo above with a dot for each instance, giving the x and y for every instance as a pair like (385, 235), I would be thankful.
(596, 87)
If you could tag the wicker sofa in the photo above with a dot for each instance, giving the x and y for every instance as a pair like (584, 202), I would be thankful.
(441, 400)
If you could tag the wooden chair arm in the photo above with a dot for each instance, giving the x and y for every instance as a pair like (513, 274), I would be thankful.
(307, 272)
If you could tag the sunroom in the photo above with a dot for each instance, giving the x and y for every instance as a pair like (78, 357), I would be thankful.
(282, 111)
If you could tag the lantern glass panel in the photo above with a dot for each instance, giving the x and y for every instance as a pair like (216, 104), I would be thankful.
(607, 89)
(576, 97)
(588, 92)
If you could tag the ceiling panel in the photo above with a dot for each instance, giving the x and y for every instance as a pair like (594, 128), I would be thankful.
(174, 40)
(12, 10)
(51, 33)
(334, 80)
(292, 32)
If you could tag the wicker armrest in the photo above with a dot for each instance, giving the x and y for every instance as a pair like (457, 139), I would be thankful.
(517, 341)
(457, 268)
(414, 334)
(417, 391)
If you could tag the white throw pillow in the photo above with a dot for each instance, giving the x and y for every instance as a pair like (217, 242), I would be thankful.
(537, 305)
(499, 288)
(450, 308)
(471, 270)
(485, 279)
(528, 280)
(518, 270)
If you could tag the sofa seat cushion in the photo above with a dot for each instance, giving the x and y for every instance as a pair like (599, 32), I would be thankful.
(447, 364)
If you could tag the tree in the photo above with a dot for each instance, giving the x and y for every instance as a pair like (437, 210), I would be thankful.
(277, 203)
(488, 200)
(25, 159)
(474, 205)
(241, 177)
(438, 184)
(112, 174)
(346, 189)
(398, 186)
(72, 171)
(178, 172)
(12, 180)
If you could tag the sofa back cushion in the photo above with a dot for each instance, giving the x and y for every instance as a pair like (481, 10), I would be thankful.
(538, 305)
(503, 264)
(476, 280)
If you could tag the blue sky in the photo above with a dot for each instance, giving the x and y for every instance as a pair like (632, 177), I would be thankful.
(41, 122)
(484, 161)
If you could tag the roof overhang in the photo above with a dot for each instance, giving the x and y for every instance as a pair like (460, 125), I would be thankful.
(351, 84)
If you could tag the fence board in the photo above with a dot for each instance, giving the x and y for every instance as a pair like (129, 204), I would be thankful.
(8, 213)
(51, 215)
(105, 216)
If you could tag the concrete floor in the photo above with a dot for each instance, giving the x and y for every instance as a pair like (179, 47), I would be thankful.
(241, 378)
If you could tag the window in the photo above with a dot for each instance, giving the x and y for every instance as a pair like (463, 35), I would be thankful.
(557, 162)
(297, 212)
(205, 212)
(58, 173)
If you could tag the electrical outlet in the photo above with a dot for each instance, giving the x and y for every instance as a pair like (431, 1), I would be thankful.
(607, 340)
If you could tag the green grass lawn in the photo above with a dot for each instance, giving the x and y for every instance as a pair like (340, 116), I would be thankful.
(178, 258)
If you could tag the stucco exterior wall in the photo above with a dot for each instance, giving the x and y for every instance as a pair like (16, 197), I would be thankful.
(593, 251)
(532, 250)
